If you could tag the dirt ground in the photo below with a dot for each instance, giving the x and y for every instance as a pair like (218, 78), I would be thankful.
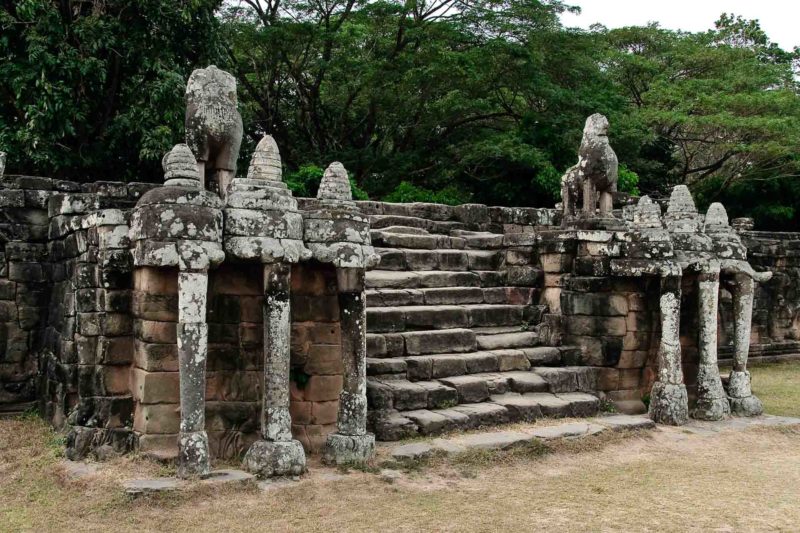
(664, 480)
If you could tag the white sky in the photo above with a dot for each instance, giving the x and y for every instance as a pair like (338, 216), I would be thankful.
(778, 18)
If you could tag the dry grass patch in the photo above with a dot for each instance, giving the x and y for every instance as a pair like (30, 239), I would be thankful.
(664, 480)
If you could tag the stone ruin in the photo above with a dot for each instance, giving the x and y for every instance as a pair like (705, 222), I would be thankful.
(202, 320)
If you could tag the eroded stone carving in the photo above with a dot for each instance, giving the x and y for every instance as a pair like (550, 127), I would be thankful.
(335, 184)
(593, 179)
(336, 232)
(213, 124)
(739, 278)
(180, 225)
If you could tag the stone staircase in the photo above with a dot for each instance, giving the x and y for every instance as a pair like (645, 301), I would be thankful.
(453, 333)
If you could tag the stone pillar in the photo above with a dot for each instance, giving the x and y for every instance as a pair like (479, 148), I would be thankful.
(351, 442)
(669, 402)
(276, 453)
(712, 403)
(743, 402)
(192, 333)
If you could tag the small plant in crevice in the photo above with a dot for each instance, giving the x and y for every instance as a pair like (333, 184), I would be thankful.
(607, 406)
(447, 404)
(299, 377)
(646, 400)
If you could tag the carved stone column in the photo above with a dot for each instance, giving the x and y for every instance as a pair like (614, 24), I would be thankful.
(262, 223)
(351, 442)
(743, 402)
(712, 403)
(192, 332)
(276, 453)
(669, 403)
(179, 226)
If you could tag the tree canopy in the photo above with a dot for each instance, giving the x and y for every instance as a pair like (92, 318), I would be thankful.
(441, 100)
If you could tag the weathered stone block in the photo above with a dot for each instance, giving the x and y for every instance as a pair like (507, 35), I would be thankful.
(324, 359)
(155, 357)
(323, 388)
(583, 325)
(556, 263)
(114, 350)
(155, 387)
(324, 413)
(157, 418)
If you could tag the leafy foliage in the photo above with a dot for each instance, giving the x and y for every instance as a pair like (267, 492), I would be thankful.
(94, 89)
(408, 192)
(421, 100)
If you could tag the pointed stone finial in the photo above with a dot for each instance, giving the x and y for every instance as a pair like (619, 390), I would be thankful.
(647, 214)
(180, 167)
(717, 217)
(335, 184)
(682, 215)
(266, 161)
(681, 201)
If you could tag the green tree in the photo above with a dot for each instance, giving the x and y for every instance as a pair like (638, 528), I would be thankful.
(722, 104)
(94, 89)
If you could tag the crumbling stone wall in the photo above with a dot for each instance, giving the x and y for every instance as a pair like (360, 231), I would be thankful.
(776, 313)
(66, 294)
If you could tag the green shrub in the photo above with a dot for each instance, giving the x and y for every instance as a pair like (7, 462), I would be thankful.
(407, 192)
(628, 181)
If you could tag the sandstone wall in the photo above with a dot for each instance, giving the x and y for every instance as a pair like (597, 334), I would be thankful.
(82, 334)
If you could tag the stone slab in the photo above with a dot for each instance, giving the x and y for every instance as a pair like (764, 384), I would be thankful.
(499, 440)
(136, 487)
(623, 422)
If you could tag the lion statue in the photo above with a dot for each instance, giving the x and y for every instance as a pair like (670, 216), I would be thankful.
(593, 180)
(213, 125)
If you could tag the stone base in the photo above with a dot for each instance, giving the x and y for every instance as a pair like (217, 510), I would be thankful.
(712, 402)
(341, 449)
(751, 406)
(275, 458)
(742, 400)
(193, 457)
(669, 404)
(712, 409)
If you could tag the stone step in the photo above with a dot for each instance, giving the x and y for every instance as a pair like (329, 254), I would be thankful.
(424, 367)
(432, 226)
(389, 279)
(403, 395)
(439, 259)
(416, 317)
(409, 343)
(498, 409)
(452, 296)
(480, 239)
(421, 241)
(562, 379)
(428, 387)
(407, 230)
(15, 410)
(520, 339)
(434, 366)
